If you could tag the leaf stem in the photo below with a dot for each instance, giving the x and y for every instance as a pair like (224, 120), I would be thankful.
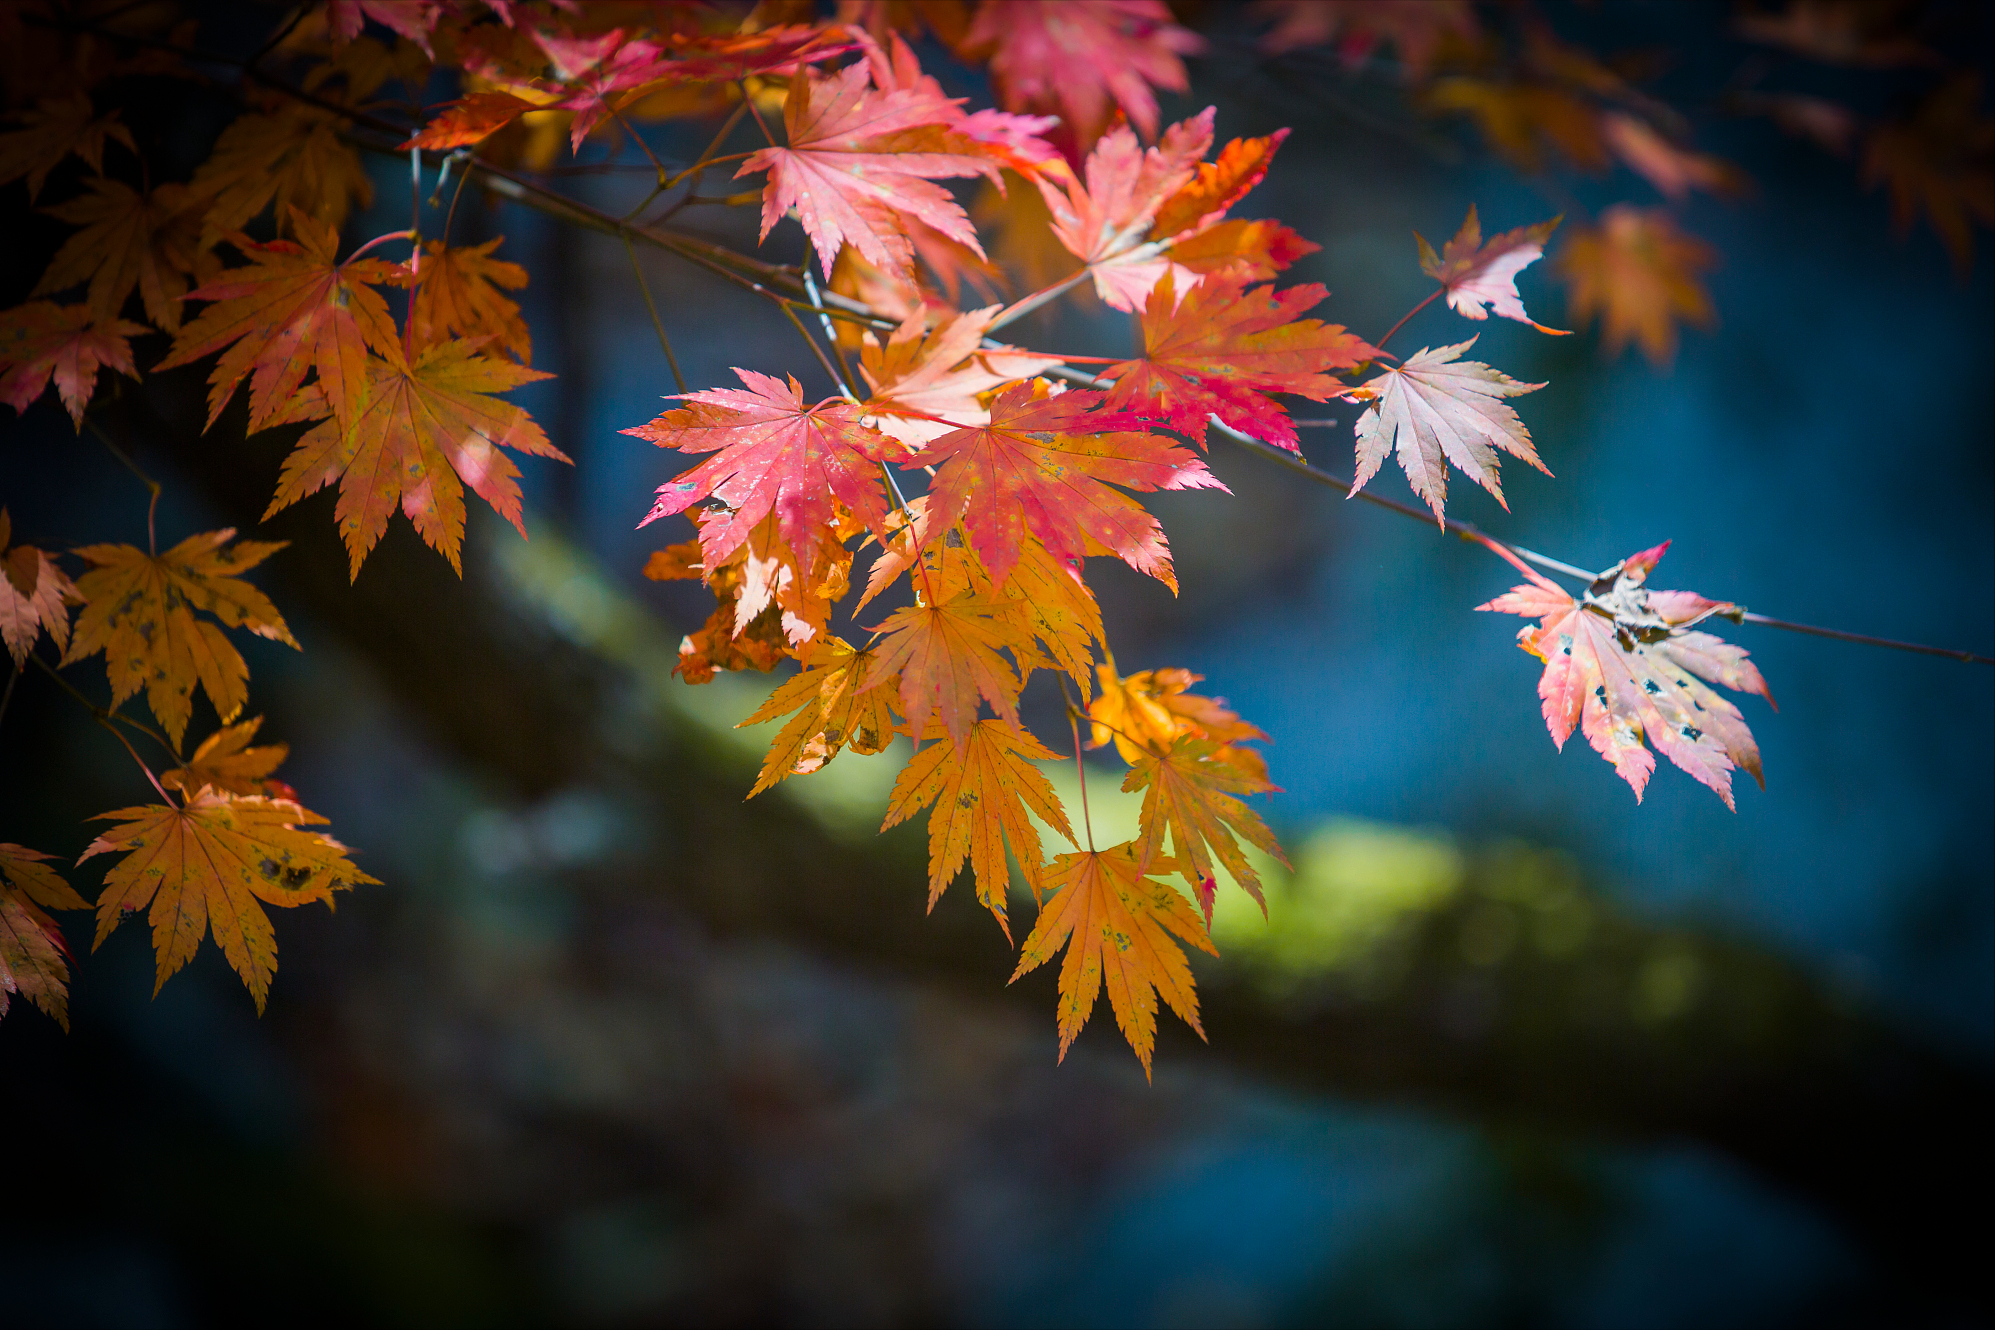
(152, 486)
(105, 716)
(1380, 343)
(652, 306)
(1080, 767)
(8, 696)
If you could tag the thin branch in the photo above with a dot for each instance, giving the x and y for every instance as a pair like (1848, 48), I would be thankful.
(830, 333)
(8, 696)
(652, 306)
(152, 486)
(106, 715)
(1968, 657)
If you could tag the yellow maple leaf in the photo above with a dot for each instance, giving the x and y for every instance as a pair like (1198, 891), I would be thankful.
(833, 711)
(1640, 274)
(204, 866)
(227, 764)
(946, 655)
(292, 155)
(148, 242)
(1115, 921)
(32, 952)
(57, 127)
(1151, 709)
(1189, 791)
(982, 790)
(139, 611)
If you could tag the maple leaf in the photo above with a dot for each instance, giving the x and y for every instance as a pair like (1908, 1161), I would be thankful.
(1940, 158)
(1116, 921)
(984, 791)
(33, 956)
(457, 295)
(293, 310)
(421, 427)
(1151, 709)
(1189, 791)
(1045, 465)
(470, 119)
(129, 240)
(68, 343)
(1104, 217)
(771, 454)
(1482, 277)
(860, 163)
(227, 764)
(292, 156)
(1623, 663)
(1433, 409)
(1519, 119)
(1073, 58)
(1216, 186)
(34, 595)
(1216, 351)
(1866, 36)
(1640, 274)
(205, 866)
(57, 127)
(1241, 250)
(1672, 170)
(1059, 611)
(926, 381)
(139, 611)
(946, 654)
(414, 19)
(834, 710)
(767, 606)
(1356, 29)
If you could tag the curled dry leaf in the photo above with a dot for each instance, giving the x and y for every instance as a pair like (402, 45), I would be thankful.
(35, 595)
(1623, 663)
(1435, 409)
(140, 612)
(205, 866)
(1481, 277)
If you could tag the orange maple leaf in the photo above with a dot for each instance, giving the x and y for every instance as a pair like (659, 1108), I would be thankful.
(860, 162)
(1104, 217)
(293, 310)
(1639, 273)
(139, 611)
(291, 156)
(470, 119)
(1189, 792)
(1482, 277)
(1220, 348)
(226, 763)
(946, 654)
(1045, 465)
(1151, 709)
(1434, 409)
(1241, 250)
(33, 955)
(1939, 159)
(34, 595)
(130, 240)
(772, 454)
(457, 295)
(1116, 921)
(68, 343)
(984, 790)
(419, 429)
(1623, 663)
(835, 710)
(205, 865)
(927, 381)
(57, 127)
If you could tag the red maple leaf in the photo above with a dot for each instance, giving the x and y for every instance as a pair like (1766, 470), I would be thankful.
(1220, 348)
(1046, 464)
(861, 162)
(68, 343)
(772, 454)
(1073, 58)
(1623, 663)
